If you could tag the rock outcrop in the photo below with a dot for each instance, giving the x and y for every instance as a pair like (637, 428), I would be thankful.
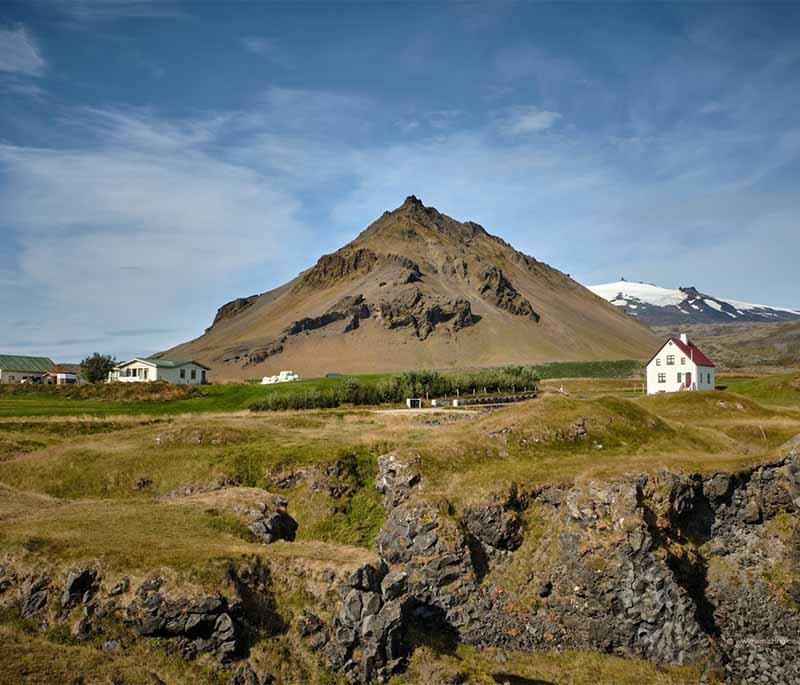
(410, 308)
(222, 625)
(667, 567)
(497, 289)
(231, 309)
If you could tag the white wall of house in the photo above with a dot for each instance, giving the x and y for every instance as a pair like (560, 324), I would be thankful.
(11, 376)
(189, 374)
(667, 371)
(139, 371)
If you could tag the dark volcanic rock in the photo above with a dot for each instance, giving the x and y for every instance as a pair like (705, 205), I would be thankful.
(492, 525)
(334, 267)
(353, 308)
(271, 521)
(620, 570)
(498, 290)
(396, 477)
(231, 309)
(79, 587)
(409, 308)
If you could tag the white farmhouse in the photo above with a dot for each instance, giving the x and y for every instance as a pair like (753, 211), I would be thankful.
(282, 377)
(679, 365)
(183, 372)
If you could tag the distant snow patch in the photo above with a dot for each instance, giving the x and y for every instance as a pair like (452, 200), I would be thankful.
(640, 292)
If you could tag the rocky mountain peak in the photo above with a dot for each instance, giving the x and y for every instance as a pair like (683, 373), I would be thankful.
(415, 287)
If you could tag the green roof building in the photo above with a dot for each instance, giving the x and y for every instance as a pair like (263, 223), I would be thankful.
(15, 368)
(178, 371)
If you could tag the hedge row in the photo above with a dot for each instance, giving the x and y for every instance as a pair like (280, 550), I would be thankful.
(398, 387)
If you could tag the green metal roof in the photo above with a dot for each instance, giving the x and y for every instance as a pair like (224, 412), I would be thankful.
(13, 362)
(163, 363)
(169, 363)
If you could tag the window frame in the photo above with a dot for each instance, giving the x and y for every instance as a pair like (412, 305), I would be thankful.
(662, 378)
(670, 360)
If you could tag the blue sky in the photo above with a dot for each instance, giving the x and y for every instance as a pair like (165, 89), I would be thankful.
(158, 159)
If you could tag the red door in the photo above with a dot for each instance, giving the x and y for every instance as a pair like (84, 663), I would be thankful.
(689, 379)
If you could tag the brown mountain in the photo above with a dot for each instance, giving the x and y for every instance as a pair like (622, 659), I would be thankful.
(416, 289)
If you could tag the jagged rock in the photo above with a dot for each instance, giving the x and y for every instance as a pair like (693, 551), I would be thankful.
(150, 585)
(718, 487)
(333, 267)
(394, 585)
(120, 588)
(409, 308)
(492, 525)
(79, 587)
(352, 307)
(34, 596)
(751, 512)
(231, 309)
(273, 526)
(396, 477)
(498, 290)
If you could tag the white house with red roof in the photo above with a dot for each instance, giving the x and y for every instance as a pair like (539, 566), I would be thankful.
(679, 365)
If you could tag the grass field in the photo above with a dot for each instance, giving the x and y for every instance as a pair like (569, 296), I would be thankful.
(110, 489)
(19, 401)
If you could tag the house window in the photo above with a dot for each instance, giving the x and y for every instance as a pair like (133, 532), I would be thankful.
(183, 373)
(194, 374)
(670, 360)
(680, 377)
(683, 361)
(145, 373)
(662, 378)
(709, 379)
(658, 361)
(203, 375)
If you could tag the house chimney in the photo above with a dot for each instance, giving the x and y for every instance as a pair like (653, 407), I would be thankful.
(684, 339)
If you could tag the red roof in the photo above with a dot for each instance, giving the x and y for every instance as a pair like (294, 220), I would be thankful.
(690, 350)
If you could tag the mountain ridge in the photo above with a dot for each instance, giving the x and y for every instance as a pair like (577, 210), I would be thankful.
(657, 306)
(416, 288)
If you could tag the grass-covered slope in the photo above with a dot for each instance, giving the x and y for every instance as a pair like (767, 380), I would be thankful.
(153, 493)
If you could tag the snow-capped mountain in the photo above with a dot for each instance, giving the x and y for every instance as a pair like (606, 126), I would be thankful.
(657, 306)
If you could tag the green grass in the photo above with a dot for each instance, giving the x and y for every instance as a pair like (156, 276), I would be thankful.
(623, 368)
(211, 398)
(781, 390)
(161, 400)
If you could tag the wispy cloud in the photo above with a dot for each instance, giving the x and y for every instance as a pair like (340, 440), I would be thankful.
(19, 53)
(522, 120)
(98, 10)
(147, 195)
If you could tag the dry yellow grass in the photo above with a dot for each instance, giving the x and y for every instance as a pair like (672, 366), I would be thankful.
(482, 667)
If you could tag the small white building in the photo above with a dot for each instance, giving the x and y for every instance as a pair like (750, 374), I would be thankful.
(179, 372)
(679, 365)
(282, 377)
